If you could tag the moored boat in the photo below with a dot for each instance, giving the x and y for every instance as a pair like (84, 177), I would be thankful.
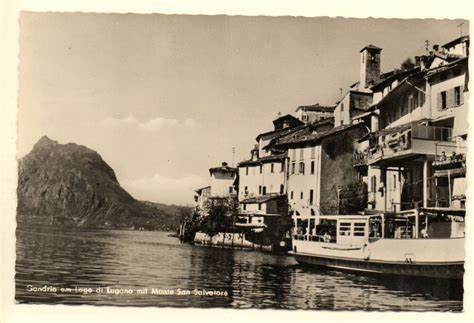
(425, 242)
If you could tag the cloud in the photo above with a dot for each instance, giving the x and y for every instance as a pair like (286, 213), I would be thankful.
(152, 125)
(120, 122)
(159, 188)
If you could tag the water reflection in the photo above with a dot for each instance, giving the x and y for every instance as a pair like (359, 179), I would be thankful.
(137, 259)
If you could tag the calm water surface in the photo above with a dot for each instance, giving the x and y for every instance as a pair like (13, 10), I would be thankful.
(138, 260)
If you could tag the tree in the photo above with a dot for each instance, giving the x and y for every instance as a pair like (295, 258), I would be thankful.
(219, 215)
(353, 198)
(407, 64)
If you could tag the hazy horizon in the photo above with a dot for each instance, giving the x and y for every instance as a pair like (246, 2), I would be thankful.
(162, 98)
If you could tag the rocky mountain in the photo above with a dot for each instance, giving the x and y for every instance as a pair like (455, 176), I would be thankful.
(72, 185)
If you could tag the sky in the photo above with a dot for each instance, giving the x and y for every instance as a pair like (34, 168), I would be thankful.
(162, 98)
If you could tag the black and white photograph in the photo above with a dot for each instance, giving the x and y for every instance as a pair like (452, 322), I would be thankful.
(214, 161)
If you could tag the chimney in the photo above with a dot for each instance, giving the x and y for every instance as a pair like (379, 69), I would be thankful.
(369, 65)
(423, 61)
(224, 164)
(417, 61)
(435, 47)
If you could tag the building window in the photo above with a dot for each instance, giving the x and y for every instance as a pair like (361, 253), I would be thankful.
(282, 167)
(261, 169)
(312, 167)
(231, 189)
(341, 116)
(264, 190)
(411, 104)
(457, 95)
(246, 190)
(373, 184)
(282, 189)
(246, 170)
(260, 189)
(293, 167)
(442, 103)
(311, 192)
(394, 186)
(301, 169)
(245, 207)
(259, 206)
(301, 195)
(272, 169)
(291, 195)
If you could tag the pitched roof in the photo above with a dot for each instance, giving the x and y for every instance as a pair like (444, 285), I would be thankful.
(448, 66)
(316, 107)
(224, 168)
(393, 76)
(304, 138)
(370, 47)
(455, 41)
(262, 199)
(199, 190)
(263, 160)
(275, 133)
(287, 117)
(394, 92)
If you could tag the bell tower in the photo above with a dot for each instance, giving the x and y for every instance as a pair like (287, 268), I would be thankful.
(369, 65)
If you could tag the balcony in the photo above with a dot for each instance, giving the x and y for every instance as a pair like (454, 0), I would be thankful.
(390, 145)
(450, 160)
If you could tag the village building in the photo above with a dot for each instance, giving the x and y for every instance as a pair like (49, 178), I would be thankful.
(418, 132)
(320, 169)
(222, 187)
(201, 196)
(314, 113)
(264, 173)
(358, 99)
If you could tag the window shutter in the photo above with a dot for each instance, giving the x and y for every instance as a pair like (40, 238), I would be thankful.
(450, 98)
(439, 101)
(461, 95)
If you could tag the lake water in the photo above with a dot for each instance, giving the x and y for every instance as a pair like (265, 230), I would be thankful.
(140, 268)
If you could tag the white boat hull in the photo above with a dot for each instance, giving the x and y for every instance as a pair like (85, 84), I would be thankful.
(441, 258)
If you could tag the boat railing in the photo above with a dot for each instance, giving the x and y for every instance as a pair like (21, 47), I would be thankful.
(314, 238)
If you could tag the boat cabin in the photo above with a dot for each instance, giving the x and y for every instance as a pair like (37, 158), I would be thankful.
(425, 223)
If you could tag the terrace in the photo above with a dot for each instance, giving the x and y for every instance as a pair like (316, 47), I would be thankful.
(392, 144)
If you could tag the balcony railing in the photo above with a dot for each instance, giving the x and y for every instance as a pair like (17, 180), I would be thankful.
(398, 141)
(431, 133)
